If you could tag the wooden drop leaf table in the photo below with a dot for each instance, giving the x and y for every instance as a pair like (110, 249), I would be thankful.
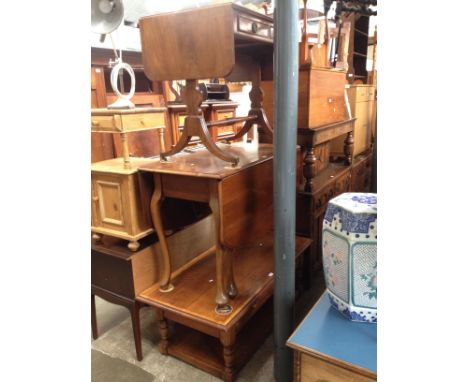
(240, 198)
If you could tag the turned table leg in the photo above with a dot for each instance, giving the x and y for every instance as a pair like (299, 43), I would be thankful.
(93, 317)
(125, 151)
(228, 340)
(156, 202)
(163, 332)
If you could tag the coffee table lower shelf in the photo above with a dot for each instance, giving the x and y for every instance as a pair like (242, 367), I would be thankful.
(207, 352)
(192, 331)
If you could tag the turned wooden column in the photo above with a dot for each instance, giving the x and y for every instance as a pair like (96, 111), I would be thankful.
(309, 167)
(125, 151)
(228, 340)
(349, 148)
(163, 332)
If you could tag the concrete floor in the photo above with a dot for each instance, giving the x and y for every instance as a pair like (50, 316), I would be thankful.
(113, 357)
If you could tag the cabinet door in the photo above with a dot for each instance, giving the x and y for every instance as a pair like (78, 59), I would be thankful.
(362, 128)
(110, 195)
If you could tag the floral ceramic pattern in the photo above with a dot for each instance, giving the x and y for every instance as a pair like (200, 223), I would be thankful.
(351, 313)
(336, 264)
(350, 222)
(349, 251)
(371, 280)
(365, 199)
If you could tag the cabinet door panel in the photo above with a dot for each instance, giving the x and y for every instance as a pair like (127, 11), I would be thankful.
(110, 195)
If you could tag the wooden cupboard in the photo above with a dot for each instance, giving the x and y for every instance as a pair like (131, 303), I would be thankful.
(362, 104)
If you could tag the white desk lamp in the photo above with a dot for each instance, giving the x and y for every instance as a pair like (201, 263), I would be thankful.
(106, 16)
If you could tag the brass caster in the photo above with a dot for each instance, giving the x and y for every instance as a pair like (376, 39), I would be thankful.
(166, 289)
(223, 309)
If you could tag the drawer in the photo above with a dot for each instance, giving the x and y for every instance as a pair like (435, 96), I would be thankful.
(360, 177)
(321, 198)
(106, 123)
(224, 114)
(342, 183)
(135, 122)
(181, 119)
(254, 27)
(112, 273)
(126, 123)
(226, 131)
(316, 370)
(361, 93)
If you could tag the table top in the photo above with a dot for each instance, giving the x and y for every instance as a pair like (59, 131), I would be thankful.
(137, 110)
(203, 164)
(325, 333)
(116, 165)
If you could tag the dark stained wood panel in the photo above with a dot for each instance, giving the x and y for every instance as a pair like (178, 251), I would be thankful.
(183, 54)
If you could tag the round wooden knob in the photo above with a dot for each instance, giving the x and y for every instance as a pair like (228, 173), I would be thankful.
(95, 123)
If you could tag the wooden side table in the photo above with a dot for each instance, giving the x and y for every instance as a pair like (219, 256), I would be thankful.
(240, 198)
(328, 347)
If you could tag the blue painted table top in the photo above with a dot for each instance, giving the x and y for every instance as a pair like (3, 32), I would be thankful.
(326, 331)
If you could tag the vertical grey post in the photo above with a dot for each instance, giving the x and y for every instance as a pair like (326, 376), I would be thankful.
(286, 69)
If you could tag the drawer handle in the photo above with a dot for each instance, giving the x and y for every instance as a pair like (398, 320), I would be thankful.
(142, 122)
(95, 123)
(254, 27)
(330, 99)
(95, 198)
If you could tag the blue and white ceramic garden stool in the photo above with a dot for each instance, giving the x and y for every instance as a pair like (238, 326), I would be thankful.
(349, 251)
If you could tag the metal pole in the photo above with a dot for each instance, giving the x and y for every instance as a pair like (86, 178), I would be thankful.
(286, 71)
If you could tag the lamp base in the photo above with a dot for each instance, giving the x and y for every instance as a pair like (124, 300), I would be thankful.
(122, 103)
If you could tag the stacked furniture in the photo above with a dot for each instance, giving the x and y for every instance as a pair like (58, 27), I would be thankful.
(115, 199)
(216, 290)
(220, 299)
(210, 277)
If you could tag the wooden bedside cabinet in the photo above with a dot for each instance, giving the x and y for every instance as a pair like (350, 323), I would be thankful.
(330, 348)
(115, 200)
